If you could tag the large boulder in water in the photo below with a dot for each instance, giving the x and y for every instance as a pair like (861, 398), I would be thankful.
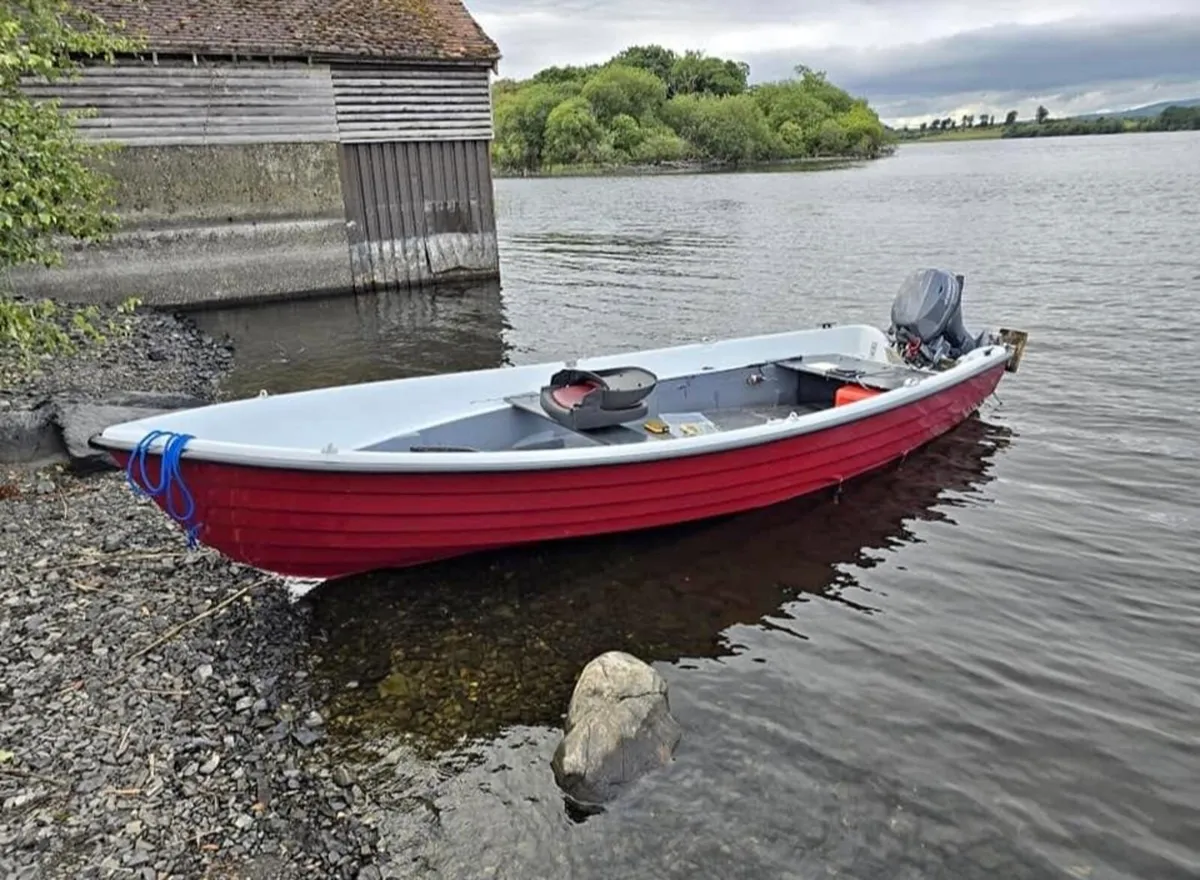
(619, 727)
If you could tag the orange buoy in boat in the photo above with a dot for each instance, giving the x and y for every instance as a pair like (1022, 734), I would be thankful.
(852, 393)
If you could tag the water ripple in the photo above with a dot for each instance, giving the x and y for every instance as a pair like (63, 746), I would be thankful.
(1027, 663)
(982, 664)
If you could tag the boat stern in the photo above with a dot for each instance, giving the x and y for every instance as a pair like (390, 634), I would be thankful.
(1014, 341)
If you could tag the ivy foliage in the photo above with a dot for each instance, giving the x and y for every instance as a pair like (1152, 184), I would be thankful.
(51, 186)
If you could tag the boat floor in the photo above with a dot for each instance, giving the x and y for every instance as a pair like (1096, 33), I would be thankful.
(697, 403)
(699, 421)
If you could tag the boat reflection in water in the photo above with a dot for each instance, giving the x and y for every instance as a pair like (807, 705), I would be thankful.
(469, 647)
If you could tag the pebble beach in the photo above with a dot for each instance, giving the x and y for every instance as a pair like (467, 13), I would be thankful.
(156, 714)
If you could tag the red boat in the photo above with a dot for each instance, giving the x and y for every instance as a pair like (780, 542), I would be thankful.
(336, 481)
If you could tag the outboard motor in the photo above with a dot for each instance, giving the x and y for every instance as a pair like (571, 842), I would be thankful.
(927, 323)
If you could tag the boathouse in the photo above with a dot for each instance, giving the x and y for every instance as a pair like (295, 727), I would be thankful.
(283, 147)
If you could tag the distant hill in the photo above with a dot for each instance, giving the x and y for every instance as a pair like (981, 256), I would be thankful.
(1146, 111)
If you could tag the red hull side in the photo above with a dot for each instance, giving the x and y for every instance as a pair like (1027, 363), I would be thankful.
(322, 524)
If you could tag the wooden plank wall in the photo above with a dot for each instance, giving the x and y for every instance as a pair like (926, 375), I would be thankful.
(178, 102)
(411, 103)
(419, 211)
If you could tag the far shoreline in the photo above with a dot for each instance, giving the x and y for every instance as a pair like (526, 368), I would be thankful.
(945, 141)
(697, 166)
(805, 163)
(1173, 118)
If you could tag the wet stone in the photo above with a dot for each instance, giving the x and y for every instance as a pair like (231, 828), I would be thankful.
(306, 737)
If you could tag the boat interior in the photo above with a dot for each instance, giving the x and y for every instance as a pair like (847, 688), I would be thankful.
(582, 408)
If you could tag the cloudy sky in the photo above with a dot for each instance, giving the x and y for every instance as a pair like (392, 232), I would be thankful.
(913, 59)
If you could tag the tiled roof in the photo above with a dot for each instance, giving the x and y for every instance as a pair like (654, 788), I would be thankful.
(381, 29)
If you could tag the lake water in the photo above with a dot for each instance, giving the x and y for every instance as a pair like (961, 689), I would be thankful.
(983, 664)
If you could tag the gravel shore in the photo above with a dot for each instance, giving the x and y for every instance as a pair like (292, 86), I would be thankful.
(156, 714)
(143, 351)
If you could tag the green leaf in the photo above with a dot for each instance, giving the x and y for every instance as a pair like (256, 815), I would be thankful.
(49, 186)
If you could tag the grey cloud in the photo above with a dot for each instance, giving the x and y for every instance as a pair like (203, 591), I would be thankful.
(789, 12)
(1028, 59)
(1095, 97)
(717, 11)
(1110, 59)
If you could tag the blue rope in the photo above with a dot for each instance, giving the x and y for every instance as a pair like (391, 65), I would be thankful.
(169, 476)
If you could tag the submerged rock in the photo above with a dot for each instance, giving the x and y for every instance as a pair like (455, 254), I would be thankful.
(619, 727)
(81, 418)
(60, 426)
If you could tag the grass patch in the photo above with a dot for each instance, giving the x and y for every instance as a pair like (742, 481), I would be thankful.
(990, 133)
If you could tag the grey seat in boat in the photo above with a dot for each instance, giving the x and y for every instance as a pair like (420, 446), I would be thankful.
(585, 400)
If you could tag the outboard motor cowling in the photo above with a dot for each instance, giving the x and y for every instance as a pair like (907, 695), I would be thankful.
(927, 315)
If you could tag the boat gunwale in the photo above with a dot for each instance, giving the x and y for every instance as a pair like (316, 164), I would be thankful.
(975, 363)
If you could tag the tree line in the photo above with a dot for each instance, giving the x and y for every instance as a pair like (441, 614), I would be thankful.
(1173, 118)
(1170, 119)
(650, 105)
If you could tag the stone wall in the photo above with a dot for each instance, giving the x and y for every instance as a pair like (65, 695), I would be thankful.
(226, 183)
(207, 224)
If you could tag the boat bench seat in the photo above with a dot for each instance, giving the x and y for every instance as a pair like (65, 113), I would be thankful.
(862, 371)
(607, 434)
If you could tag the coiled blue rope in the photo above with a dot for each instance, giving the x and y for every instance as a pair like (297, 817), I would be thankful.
(169, 477)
